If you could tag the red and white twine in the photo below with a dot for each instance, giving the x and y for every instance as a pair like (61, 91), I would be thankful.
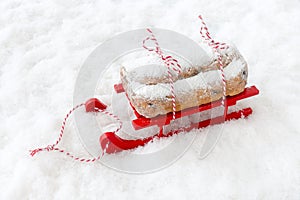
(170, 63)
(112, 116)
(216, 47)
(62, 129)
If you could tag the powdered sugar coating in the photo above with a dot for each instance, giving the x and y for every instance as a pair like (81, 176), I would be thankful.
(150, 67)
(234, 68)
(183, 86)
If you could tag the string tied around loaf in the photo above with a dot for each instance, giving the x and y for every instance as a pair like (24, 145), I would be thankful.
(53, 147)
(216, 46)
(170, 62)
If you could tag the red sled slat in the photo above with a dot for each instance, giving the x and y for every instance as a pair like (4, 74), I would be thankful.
(161, 120)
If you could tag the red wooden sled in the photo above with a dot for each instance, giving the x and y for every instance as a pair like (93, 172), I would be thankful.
(117, 144)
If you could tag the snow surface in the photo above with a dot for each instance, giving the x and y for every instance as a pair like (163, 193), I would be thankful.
(44, 43)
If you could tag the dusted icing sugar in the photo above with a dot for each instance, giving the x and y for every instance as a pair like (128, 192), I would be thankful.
(183, 86)
(152, 67)
(234, 68)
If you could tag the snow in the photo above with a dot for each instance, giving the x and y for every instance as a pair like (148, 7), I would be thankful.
(44, 43)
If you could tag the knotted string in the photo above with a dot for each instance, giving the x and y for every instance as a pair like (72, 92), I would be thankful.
(170, 62)
(216, 46)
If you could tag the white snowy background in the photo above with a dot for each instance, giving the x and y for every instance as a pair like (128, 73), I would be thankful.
(42, 47)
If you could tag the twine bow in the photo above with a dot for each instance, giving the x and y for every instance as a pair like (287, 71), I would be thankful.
(170, 63)
(216, 46)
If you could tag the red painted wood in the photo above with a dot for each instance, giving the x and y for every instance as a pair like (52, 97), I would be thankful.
(117, 144)
(93, 103)
(119, 88)
(113, 143)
